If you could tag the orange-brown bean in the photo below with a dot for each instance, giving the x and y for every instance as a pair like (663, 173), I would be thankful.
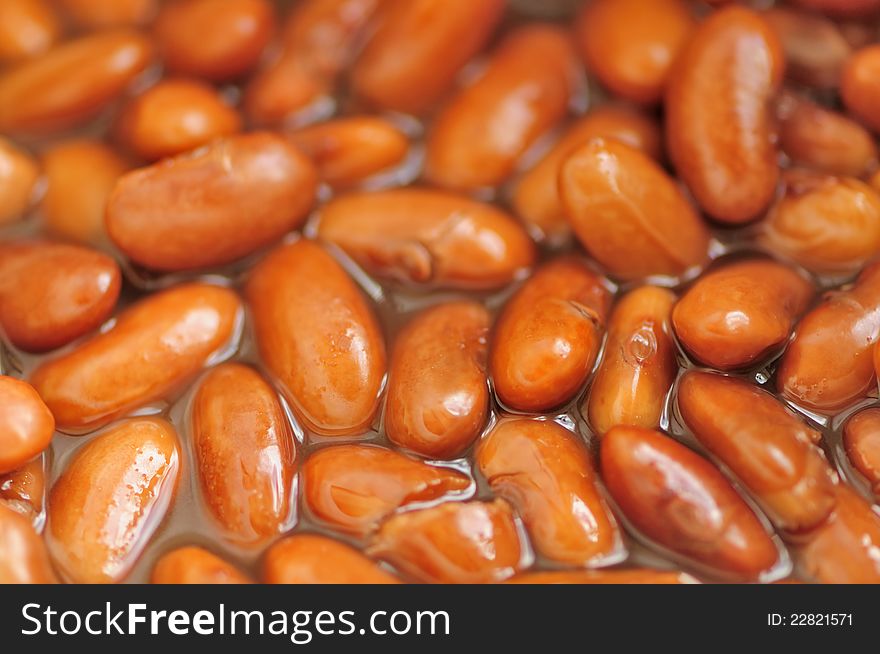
(153, 348)
(314, 559)
(26, 424)
(195, 565)
(861, 440)
(174, 116)
(719, 123)
(80, 175)
(438, 397)
(72, 83)
(628, 213)
(214, 205)
(418, 48)
(217, 40)
(638, 366)
(455, 542)
(630, 45)
(27, 28)
(535, 195)
(347, 151)
(244, 452)
(630, 576)
(23, 555)
(680, 500)
(772, 452)
(842, 8)
(24, 489)
(737, 315)
(111, 497)
(100, 14)
(319, 337)
(829, 362)
(826, 223)
(859, 86)
(53, 293)
(477, 140)
(428, 237)
(19, 173)
(543, 470)
(824, 140)
(546, 339)
(353, 487)
(815, 47)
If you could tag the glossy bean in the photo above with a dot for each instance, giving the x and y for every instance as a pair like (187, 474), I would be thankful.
(633, 576)
(19, 173)
(314, 559)
(195, 565)
(100, 14)
(861, 439)
(24, 489)
(27, 28)
(23, 556)
(26, 424)
(859, 87)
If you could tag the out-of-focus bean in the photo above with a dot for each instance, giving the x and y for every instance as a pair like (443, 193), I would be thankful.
(633, 576)
(478, 138)
(455, 542)
(438, 398)
(174, 116)
(829, 362)
(313, 559)
(861, 439)
(536, 194)
(845, 8)
(100, 14)
(195, 565)
(718, 119)
(772, 452)
(23, 556)
(217, 40)
(638, 366)
(52, 293)
(353, 487)
(71, 83)
(546, 474)
(425, 236)
(317, 335)
(678, 499)
(628, 213)
(737, 315)
(27, 28)
(630, 45)
(154, 347)
(418, 48)
(24, 489)
(244, 453)
(547, 337)
(80, 175)
(212, 206)
(19, 173)
(860, 88)
(111, 497)
(26, 424)
(347, 151)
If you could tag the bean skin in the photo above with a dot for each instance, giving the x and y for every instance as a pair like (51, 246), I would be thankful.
(861, 439)
(212, 206)
(630, 45)
(313, 559)
(28, 28)
(828, 364)
(53, 293)
(244, 452)
(428, 237)
(718, 119)
(859, 88)
(19, 173)
(26, 424)
(735, 316)
(195, 565)
(638, 366)
(317, 335)
(438, 397)
(680, 500)
(352, 487)
(418, 48)
(770, 451)
(548, 335)
(842, 8)
(101, 14)
(111, 498)
(23, 556)
(633, 576)
(24, 489)
(153, 349)
(546, 474)
(453, 543)
(72, 83)
(628, 213)
(478, 138)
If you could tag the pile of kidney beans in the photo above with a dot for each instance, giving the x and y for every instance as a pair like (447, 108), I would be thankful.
(455, 291)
